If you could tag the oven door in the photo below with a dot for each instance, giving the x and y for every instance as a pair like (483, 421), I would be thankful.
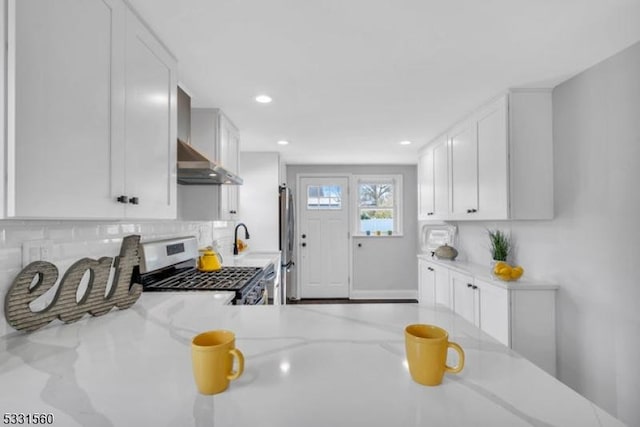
(269, 281)
(257, 292)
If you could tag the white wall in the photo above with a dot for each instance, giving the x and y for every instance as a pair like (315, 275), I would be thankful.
(259, 199)
(384, 267)
(73, 240)
(592, 246)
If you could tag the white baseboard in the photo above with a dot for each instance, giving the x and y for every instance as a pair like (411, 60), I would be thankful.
(386, 294)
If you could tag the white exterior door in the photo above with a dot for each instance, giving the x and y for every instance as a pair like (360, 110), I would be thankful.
(323, 237)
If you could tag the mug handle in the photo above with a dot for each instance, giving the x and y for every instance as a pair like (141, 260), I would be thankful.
(238, 355)
(460, 365)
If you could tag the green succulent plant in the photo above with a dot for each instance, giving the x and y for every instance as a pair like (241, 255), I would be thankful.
(500, 245)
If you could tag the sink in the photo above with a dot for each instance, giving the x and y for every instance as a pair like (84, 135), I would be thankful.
(253, 259)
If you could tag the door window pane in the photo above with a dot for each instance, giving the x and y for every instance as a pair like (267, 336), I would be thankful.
(324, 197)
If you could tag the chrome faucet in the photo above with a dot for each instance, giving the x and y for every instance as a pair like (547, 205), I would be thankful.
(235, 237)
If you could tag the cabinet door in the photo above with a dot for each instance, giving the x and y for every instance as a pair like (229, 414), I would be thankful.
(150, 123)
(493, 171)
(494, 311)
(425, 185)
(3, 129)
(229, 158)
(464, 171)
(441, 179)
(65, 92)
(443, 287)
(427, 281)
(464, 299)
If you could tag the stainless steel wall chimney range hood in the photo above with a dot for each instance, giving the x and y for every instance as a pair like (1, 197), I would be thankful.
(194, 168)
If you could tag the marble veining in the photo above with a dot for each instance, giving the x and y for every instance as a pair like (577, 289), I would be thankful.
(305, 365)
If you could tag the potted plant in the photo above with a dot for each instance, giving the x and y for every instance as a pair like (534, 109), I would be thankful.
(500, 245)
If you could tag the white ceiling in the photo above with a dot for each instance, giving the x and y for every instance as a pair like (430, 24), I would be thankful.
(352, 78)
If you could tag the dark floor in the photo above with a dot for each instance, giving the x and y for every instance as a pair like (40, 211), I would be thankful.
(349, 301)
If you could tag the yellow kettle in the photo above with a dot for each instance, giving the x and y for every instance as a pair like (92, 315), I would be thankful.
(209, 260)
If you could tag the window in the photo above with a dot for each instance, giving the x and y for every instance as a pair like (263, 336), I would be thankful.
(379, 202)
(324, 197)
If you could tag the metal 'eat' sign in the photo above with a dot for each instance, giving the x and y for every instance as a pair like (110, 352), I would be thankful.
(64, 305)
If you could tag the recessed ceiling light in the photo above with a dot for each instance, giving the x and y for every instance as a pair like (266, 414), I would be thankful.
(263, 99)
(405, 142)
(283, 142)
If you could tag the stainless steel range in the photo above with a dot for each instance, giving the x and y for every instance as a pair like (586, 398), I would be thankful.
(170, 265)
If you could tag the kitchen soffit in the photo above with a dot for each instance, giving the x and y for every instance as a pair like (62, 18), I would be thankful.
(350, 79)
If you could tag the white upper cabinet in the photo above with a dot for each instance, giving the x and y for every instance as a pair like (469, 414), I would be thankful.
(61, 143)
(499, 162)
(433, 180)
(425, 184)
(81, 108)
(215, 136)
(229, 158)
(151, 125)
(493, 167)
(440, 178)
(464, 169)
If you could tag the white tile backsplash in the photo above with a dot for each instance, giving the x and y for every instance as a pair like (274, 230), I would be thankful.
(72, 241)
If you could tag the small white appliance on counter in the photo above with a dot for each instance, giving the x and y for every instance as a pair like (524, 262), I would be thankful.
(433, 236)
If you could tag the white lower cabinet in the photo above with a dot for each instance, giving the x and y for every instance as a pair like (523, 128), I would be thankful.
(493, 310)
(465, 301)
(520, 316)
(434, 284)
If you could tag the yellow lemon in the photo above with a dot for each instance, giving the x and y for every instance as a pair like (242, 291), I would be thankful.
(517, 272)
(499, 265)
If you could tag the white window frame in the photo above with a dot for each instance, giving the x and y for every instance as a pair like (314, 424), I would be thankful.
(398, 201)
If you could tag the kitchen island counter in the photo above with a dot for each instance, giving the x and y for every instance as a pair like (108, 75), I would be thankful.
(311, 365)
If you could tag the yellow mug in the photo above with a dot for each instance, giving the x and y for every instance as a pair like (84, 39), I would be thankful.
(212, 354)
(426, 347)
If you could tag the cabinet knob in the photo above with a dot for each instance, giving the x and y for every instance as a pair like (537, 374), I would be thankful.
(122, 199)
(359, 245)
(430, 268)
(233, 212)
(304, 245)
(429, 213)
(304, 236)
(472, 210)
(474, 287)
(469, 285)
(134, 200)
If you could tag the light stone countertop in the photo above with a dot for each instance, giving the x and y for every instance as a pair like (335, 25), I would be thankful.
(483, 272)
(306, 365)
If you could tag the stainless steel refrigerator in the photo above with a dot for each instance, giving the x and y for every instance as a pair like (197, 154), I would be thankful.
(287, 236)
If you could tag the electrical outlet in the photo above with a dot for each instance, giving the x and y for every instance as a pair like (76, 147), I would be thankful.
(36, 250)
